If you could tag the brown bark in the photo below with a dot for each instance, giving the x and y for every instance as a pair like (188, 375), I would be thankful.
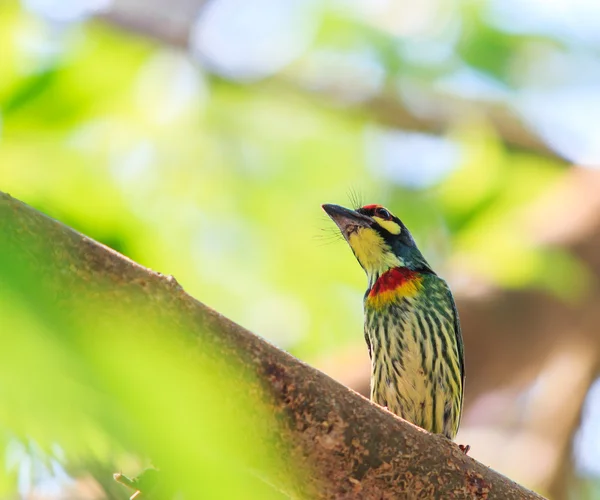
(352, 448)
(170, 23)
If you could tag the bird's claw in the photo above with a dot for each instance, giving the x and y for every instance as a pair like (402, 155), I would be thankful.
(464, 448)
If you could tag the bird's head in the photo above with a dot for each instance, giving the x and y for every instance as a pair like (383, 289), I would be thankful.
(379, 240)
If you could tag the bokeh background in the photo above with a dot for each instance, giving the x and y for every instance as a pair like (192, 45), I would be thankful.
(199, 138)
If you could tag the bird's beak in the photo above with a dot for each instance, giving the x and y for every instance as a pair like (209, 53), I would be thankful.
(347, 220)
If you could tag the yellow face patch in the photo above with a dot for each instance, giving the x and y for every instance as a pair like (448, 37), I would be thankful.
(372, 252)
(389, 225)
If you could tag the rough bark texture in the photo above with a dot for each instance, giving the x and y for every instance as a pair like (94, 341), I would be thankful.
(353, 448)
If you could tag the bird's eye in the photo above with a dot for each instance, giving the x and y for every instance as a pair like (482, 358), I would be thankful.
(383, 214)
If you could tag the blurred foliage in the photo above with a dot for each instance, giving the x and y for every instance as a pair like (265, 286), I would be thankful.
(84, 380)
(220, 184)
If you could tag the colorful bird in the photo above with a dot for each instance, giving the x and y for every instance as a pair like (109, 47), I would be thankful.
(411, 322)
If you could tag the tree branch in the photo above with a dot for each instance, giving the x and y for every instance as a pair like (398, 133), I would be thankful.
(171, 23)
(352, 447)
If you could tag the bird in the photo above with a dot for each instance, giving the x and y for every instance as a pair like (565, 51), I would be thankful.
(411, 322)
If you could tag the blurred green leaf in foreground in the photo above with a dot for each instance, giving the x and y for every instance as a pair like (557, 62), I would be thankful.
(94, 377)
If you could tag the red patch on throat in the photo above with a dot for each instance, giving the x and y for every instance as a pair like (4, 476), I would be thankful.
(392, 279)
